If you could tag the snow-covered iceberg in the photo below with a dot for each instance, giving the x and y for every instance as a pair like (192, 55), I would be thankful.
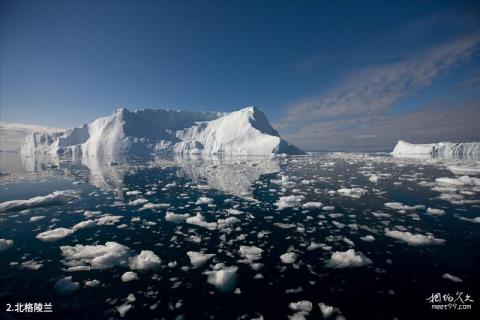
(146, 132)
(446, 149)
(12, 134)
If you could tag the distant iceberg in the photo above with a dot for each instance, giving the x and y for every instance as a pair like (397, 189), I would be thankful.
(147, 132)
(447, 149)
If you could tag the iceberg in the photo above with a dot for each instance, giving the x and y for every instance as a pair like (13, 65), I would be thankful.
(146, 132)
(437, 149)
(12, 134)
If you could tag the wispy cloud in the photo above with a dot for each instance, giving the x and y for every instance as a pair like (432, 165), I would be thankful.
(429, 124)
(367, 95)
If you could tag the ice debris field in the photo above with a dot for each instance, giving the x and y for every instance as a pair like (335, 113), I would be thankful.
(322, 236)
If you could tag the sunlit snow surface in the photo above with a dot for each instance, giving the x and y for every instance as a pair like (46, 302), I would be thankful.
(325, 235)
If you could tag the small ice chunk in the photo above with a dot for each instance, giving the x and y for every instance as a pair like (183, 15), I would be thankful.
(414, 239)
(326, 310)
(198, 259)
(36, 218)
(438, 212)
(146, 260)
(368, 238)
(65, 286)
(303, 305)
(54, 235)
(289, 257)
(97, 256)
(129, 276)
(5, 244)
(92, 283)
(347, 259)
(204, 200)
(250, 253)
(174, 217)
(52, 198)
(352, 193)
(451, 277)
(312, 205)
(289, 202)
(224, 279)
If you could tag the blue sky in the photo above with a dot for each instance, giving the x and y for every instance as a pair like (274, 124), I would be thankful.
(330, 75)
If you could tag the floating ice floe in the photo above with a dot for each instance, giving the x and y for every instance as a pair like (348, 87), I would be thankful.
(250, 255)
(5, 244)
(129, 276)
(52, 198)
(460, 181)
(204, 200)
(108, 219)
(437, 212)
(92, 283)
(352, 193)
(146, 260)
(234, 211)
(126, 306)
(55, 234)
(465, 170)
(347, 259)
(65, 286)
(227, 222)
(303, 305)
(326, 310)
(97, 256)
(313, 246)
(174, 217)
(289, 202)
(224, 278)
(30, 265)
(199, 220)
(289, 257)
(84, 224)
(474, 220)
(312, 205)
(301, 308)
(198, 259)
(133, 193)
(154, 206)
(402, 207)
(137, 202)
(36, 218)
(414, 239)
(451, 277)
(368, 238)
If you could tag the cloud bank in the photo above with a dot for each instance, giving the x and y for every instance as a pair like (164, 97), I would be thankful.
(357, 113)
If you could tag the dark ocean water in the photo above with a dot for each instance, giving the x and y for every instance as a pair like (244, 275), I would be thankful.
(396, 284)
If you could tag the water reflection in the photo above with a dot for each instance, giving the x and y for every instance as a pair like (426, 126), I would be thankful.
(231, 175)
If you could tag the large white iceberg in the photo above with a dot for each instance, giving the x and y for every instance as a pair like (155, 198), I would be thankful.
(437, 149)
(146, 132)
